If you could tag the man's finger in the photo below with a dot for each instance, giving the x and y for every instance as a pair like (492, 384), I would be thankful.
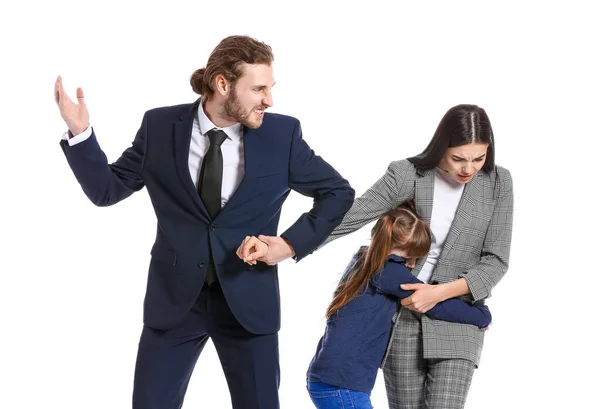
(239, 249)
(56, 92)
(246, 245)
(264, 239)
(62, 95)
(59, 92)
(249, 243)
(80, 96)
(260, 250)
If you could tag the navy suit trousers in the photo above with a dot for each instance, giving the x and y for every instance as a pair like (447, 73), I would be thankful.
(166, 358)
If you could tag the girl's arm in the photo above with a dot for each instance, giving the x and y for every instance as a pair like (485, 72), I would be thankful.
(395, 273)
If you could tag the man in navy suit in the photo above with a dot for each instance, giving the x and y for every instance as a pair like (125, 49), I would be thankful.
(217, 172)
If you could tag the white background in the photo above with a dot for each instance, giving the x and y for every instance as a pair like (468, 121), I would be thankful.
(369, 83)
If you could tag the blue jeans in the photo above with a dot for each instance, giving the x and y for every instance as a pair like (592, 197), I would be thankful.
(326, 396)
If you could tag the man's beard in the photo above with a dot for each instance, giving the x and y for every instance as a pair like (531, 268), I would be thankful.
(233, 110)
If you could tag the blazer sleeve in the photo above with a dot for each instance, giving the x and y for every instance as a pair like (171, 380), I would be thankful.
(311, 176)
(103, 183)
(484, 275)
(395, 187)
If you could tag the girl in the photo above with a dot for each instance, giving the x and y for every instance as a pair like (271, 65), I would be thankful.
(343, 371)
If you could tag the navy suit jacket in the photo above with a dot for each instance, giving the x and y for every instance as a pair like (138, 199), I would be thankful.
(277, 159)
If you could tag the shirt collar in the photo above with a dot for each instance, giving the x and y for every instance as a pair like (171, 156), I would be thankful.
(234, 132)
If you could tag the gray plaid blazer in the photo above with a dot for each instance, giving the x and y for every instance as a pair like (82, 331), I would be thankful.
(477, 247)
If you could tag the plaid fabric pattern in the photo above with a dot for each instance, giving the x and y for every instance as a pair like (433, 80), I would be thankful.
(412, 382)
(477, 247)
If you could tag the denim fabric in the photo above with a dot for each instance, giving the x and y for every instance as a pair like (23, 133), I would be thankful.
(325, 396)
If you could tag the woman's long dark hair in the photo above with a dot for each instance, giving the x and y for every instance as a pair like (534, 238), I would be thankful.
(399, 228)
(461, 125)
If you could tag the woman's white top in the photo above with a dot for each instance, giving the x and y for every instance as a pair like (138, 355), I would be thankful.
(446, 196)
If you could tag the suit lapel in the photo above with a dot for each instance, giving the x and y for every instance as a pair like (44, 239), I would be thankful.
(424, 189)
(182, 138)
(471, 195)
(424, 186)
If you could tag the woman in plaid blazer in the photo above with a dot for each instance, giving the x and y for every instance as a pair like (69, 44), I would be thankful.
(467, 199)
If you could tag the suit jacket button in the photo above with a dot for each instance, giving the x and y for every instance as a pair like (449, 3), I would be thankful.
(213, 227)
(202, 264)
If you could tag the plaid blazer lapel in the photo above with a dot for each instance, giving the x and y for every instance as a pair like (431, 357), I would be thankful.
(471, 196)
(424, 185)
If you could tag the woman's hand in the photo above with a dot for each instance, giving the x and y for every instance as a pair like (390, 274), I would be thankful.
(424, 298)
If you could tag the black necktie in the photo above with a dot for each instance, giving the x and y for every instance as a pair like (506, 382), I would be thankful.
(211, 174)
(209, 185)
